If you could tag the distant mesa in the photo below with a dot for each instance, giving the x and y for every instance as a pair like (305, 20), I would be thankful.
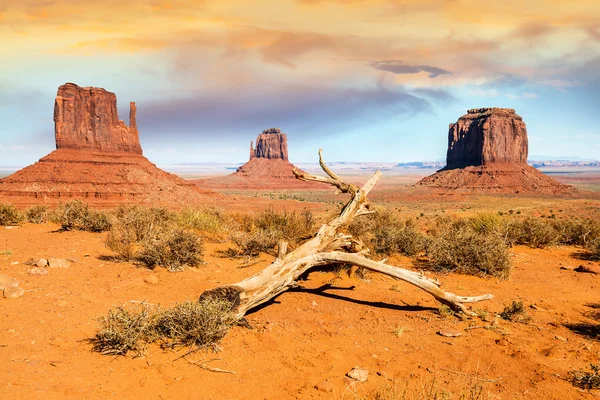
(487, 152)
(97, 158)
(267, 167)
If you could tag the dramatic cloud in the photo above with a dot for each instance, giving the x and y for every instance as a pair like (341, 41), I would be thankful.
(308, 112)
(398, 67)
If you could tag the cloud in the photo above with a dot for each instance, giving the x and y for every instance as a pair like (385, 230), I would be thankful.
(304, 111)
(398, 67)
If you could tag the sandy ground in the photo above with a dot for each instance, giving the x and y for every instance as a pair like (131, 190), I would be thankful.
(305, 336)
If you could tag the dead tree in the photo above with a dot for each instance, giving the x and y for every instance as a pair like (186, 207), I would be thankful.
(328, 247)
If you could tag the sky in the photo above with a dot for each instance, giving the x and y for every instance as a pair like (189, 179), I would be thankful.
(366, 80)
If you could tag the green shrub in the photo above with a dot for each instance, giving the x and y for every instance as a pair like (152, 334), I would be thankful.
(457, 246)
(76, 215)
(172, 250)
(37, 214)
(9, 215)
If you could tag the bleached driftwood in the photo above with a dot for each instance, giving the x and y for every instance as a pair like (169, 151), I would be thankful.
(329, 246)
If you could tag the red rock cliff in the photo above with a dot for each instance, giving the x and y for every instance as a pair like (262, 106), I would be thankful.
(86, 117)
(272, 144)
(487, 136)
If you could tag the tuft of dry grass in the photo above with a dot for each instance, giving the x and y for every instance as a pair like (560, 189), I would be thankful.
(195, 325)
(211, 222)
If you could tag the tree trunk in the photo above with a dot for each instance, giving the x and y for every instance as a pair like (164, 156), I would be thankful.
(329, 246)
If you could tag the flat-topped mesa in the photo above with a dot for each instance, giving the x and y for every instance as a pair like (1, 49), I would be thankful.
(271, 144)
(487, 136)
(87, 118)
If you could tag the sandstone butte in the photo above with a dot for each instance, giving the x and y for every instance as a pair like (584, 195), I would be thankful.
(487, 153)
(267, 168)
(97, 158)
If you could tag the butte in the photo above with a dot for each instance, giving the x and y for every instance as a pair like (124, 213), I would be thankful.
(487, 153)
(267, 168)
(97, 159)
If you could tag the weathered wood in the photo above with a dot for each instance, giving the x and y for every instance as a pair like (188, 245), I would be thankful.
(329, 246)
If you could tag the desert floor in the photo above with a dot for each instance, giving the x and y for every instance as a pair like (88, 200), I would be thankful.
(308, 335)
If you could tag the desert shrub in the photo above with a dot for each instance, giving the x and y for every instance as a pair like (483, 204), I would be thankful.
(515, 312)
(385, 233)
(172, 250)
(134, 225)
(37, 214)
(9, 215)
(586, 379)
(123, 330)
(209, 221)
(144, 222)
(593, 247)
(292, 225)
(536, 233)
(577, 232)
(194, 324)
(457, 246)
(76, 215)
(252, 244)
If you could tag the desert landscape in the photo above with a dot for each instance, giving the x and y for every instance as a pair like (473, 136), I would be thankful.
(417, 216)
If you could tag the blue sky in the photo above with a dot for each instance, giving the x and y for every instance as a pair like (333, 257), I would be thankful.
(366, 81)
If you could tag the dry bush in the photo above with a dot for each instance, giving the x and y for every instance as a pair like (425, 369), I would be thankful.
(385, 233)
(593, 247)
(172, 250)
(209, 221)
(134, 225)
(537, 233)
(122, 331)
(9, 215)
(252, 244)
(76, 215)
(194, 324)
(586, 379)
(577, 232)
(292, 226)
(515, 312)
(37, 214)
(457, 246)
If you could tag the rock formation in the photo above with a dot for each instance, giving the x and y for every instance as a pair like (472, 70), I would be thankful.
(87, 118)
(487, 152)
(271, 144)
(486, 136)
(268, 166)
(97, 158)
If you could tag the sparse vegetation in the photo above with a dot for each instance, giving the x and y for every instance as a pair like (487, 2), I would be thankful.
(193, 324)
(37, 214)
(586, 379)
(458, 246)
(385, 233)
(172, 250)
(76, 215)
(9, 215)
(209, 222)
(515, 312)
